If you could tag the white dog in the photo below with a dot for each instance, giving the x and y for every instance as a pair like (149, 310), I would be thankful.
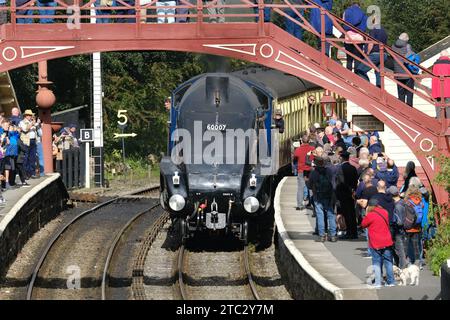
(412, 272)
(400, 276)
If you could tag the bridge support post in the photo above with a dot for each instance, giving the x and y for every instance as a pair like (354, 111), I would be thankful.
(45, 100)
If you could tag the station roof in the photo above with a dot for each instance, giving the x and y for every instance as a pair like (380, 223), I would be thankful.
(8, 99)
(435, 49)
(281, 84)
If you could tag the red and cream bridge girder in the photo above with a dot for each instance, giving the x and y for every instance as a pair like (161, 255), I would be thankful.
(273, 47)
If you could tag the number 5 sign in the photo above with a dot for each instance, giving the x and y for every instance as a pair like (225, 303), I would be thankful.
(121, 114)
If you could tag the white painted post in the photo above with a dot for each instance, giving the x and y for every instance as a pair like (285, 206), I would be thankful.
(87, 178)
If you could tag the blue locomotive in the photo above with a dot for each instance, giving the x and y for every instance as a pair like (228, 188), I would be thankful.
(218, 174)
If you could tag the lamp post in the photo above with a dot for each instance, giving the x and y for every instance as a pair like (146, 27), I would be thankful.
(328, 104)
(45, 99)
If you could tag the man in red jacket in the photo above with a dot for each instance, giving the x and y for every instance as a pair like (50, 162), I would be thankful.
(303, 170)
(380, 242)
(442, 68)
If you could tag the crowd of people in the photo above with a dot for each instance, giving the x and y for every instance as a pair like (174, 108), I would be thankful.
(21, 153)
(352, 187)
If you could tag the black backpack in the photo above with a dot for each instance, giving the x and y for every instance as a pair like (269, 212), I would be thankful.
(410, 218)
(324, 188)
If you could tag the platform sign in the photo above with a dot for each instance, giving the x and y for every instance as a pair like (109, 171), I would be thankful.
(366, 123)
(86, 135)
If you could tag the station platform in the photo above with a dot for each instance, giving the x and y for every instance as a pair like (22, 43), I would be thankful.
(14, 197)
(339, 269)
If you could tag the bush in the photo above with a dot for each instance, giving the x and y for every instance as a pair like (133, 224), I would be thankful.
(439, 250)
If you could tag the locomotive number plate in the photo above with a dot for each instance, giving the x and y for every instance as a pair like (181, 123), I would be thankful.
(216, 127)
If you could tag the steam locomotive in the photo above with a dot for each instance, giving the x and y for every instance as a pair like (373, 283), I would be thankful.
(218, 174)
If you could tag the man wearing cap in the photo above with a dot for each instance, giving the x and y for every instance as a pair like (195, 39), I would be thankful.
(398, 234)
(279, 121)
(28, 137)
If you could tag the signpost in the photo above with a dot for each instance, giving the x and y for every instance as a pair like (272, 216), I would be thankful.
(87, 136)
(122, 123)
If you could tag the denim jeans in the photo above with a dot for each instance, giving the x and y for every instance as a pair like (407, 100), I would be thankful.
(23, 13)
(162, 12)
(325, 207)
(291, 26)
(380, 258)
(46, 12)
(362, 68)
(302, 190)
(29, 162)
(126, 12)
(266, 14)
(412, 246)
(40, 153)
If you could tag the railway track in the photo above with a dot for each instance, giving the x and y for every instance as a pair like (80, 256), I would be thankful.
(240, 284)
(81, 245)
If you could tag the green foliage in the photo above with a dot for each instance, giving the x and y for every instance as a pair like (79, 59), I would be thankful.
(443, 177)
(439, 250)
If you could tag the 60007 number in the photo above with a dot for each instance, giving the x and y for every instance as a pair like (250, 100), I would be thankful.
(216, 127)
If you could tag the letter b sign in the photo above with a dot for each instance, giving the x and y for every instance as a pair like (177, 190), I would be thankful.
(87, 135)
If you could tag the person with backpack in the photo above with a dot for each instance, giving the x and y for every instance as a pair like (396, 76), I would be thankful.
(320, 181)
(380, 242)
(412, 224)
(402, 47)
(398, 232)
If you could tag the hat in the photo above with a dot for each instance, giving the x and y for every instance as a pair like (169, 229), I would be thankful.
(28, 112)
(72, 125)
(373, 202)
(332, 122)
(393, 190)
(316, 125)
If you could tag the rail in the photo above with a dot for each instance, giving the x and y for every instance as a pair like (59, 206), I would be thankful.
(55, 238)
